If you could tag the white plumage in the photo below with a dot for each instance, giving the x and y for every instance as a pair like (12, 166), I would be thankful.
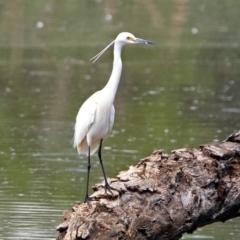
(94, 122)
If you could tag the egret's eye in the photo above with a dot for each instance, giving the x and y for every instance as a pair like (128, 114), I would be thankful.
(129, 38)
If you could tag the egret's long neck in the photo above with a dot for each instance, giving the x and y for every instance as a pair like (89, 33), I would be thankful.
(111, 87)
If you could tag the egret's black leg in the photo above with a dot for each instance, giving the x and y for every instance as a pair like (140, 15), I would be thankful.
(88, 173)
(107, 186)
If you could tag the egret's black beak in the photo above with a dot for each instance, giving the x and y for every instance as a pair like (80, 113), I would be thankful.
(143, 41)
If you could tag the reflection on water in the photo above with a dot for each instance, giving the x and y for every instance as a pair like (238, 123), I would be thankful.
(182, 93)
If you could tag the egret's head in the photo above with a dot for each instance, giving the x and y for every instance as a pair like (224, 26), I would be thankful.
(122, 38)
(129, 38)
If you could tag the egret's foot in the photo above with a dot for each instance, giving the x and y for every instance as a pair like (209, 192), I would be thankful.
(88, 199)
(109, 188)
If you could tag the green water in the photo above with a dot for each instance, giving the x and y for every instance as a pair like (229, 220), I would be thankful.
(183, 92)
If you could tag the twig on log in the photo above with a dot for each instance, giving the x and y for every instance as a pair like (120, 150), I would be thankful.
(163, 197)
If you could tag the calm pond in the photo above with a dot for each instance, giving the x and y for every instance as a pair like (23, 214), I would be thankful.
(183, 92)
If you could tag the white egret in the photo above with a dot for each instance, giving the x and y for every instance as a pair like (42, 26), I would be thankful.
(95, 118)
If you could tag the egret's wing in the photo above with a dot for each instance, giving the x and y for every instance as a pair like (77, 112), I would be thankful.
(84, 120)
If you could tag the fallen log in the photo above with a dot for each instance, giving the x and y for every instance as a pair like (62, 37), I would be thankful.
(163, 197)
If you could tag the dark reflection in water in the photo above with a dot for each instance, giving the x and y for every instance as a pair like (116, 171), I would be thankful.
(182, 93)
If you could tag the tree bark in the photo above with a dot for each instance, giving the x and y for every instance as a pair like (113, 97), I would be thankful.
(163, 197)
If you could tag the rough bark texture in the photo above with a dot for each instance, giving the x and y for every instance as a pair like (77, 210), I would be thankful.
(163, 196)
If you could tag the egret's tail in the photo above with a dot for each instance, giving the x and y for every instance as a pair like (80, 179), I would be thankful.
(82, 147)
